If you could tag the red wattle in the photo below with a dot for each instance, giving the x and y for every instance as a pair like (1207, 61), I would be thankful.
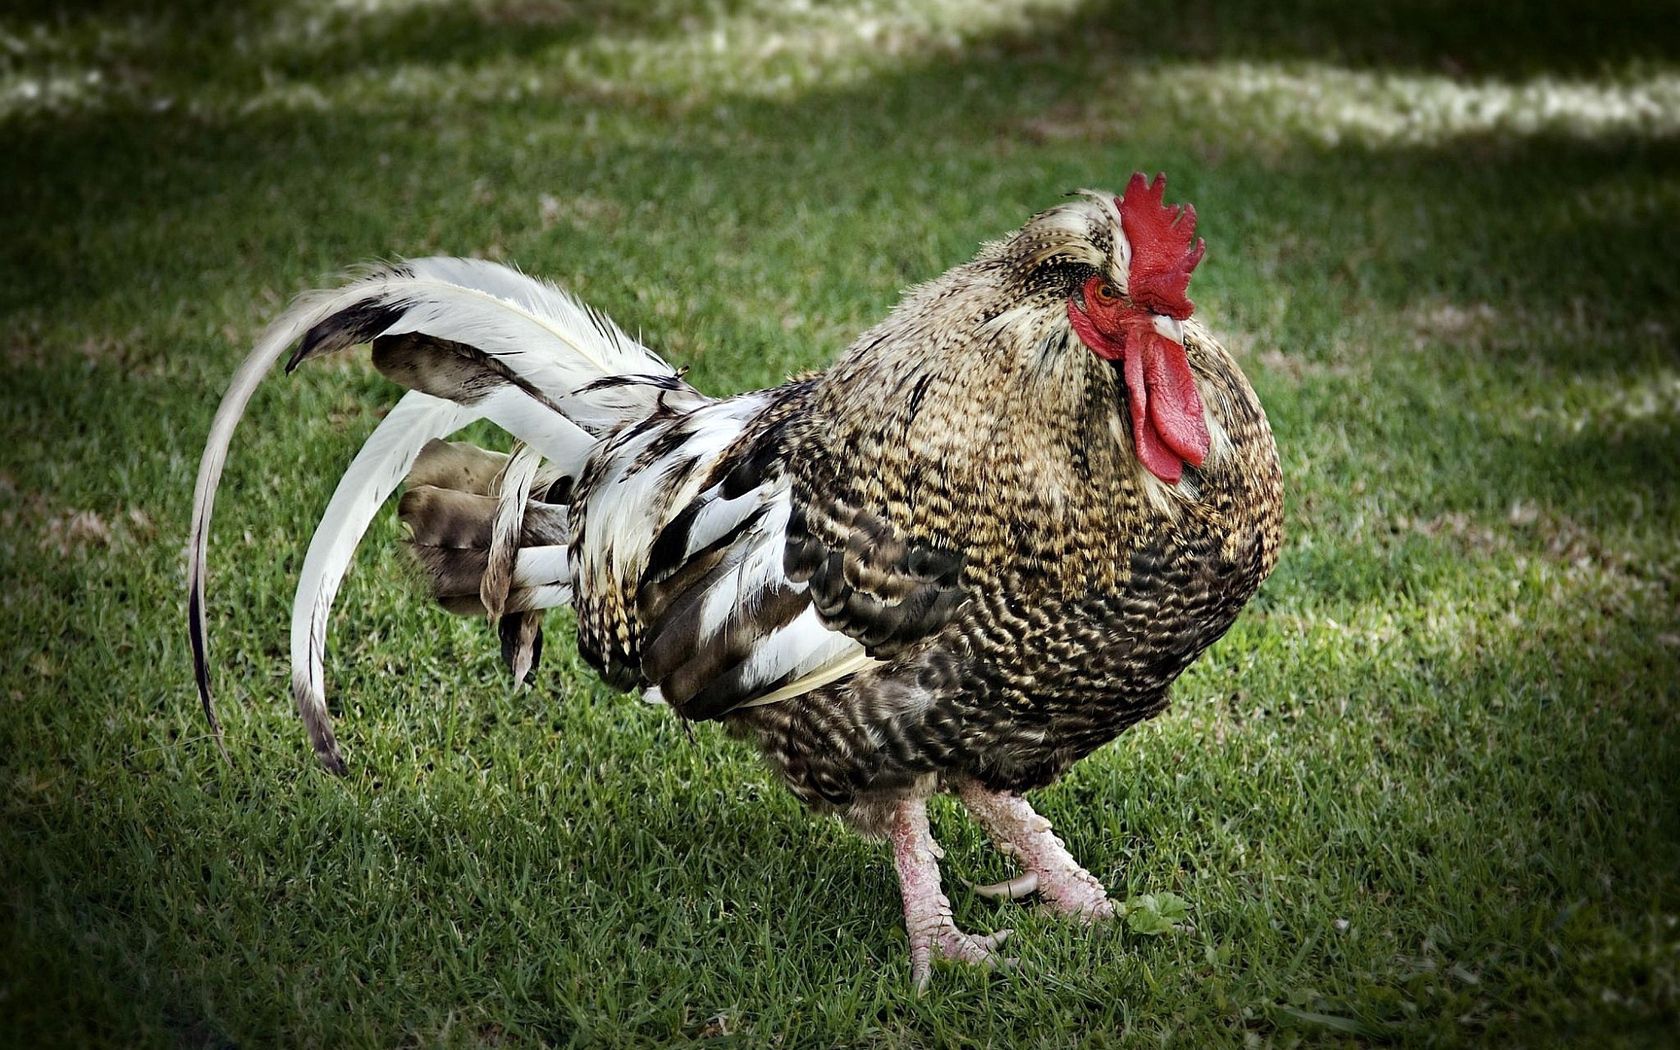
(1175, 405)
(1169, 426)
(1152, 452)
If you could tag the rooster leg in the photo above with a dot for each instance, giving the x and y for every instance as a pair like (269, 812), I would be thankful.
(927, 911)
(1050, 869)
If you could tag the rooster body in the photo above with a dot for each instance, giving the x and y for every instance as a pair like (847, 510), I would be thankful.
(977, 548)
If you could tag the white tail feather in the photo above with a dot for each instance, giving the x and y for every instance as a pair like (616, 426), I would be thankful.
(382, 463)
(552, 343)
(517, 476)
(594, 346)
(307, 312)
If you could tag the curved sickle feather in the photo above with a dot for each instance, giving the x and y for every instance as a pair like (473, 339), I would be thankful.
(380, 466)
(280, 335)
(525, 334)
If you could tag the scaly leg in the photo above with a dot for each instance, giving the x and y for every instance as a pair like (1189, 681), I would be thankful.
(1050, 868)
(927, 911)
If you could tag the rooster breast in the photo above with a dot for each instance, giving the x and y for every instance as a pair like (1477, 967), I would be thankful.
(1082, 595)
(880, 597)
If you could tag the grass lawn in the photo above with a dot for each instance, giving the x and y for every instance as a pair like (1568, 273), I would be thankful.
(1426, 791)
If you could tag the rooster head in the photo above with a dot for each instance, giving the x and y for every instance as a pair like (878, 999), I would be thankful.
(1130, 312)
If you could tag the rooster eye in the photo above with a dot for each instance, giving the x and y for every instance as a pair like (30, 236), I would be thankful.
(1106, 293)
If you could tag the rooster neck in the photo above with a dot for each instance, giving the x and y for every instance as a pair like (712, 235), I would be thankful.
(1020, 452)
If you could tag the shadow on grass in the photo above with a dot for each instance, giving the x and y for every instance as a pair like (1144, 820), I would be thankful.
(1559, 232)
(623, 875)
(1542, 242)
(122, 213)
(1484, 38)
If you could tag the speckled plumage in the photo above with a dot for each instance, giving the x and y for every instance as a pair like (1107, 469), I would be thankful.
(980, 546)
(971, 428)
(1086, 593)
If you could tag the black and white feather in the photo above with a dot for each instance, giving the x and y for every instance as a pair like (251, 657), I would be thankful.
(662, 514)
(473, 340)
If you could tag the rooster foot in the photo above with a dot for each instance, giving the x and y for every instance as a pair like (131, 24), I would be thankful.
(1065, 887)
(927, 911)
(942, 940)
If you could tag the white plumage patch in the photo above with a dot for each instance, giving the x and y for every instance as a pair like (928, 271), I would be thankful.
(636, 497)
(552, 344)
(718, 515)
(805, 648)
(736, 607)
(757, 569)
(373, 475)
(542, 566)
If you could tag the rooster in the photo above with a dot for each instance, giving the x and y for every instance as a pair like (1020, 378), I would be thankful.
(975, 549)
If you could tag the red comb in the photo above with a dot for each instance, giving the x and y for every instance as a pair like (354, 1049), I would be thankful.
(1164, 247)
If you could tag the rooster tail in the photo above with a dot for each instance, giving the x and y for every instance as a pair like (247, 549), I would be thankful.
(491, 534)
(471, 340)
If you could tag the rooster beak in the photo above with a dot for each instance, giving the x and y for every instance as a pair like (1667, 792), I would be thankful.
(1170, 327)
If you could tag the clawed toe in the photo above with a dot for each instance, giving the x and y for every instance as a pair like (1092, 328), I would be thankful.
(1076, 900)
(927, 913)
(1023, 835)
(947, 942)
(1064, 887)
(1009, 889)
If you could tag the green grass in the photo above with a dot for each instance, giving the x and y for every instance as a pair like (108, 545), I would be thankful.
(1426, 790)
